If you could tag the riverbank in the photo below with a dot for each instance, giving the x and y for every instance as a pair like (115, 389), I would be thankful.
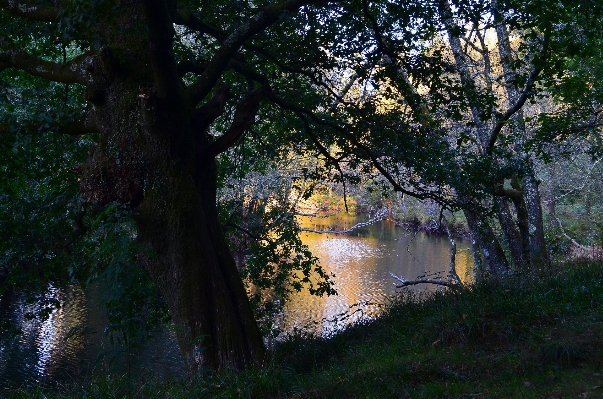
(413, 220)
(534, 336)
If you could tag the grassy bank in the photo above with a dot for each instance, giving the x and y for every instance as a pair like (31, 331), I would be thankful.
(533, 336)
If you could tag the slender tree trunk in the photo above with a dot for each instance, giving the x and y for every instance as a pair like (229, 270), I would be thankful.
(510, 231)
(484, 237)
(538, 249)
(551, 203)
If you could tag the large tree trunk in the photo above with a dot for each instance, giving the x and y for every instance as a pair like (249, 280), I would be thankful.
(151, 157)
(197, 275)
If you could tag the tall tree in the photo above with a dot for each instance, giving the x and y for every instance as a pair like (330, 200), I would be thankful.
(168, 87)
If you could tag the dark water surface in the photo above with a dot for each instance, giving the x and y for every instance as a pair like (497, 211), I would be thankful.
(71, 344)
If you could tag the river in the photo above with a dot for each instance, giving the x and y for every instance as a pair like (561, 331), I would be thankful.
(71, 344)
(361, 261)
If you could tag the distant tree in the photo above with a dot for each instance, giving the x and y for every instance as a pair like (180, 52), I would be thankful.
(456, 115)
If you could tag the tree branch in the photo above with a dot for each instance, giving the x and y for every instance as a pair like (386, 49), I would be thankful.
(287, 68)
(12, 56)
(379, 216)
(372, 158)
(244, 117)
(406, 283)
(186, 18)
(525, 94)
(32, 12)
(190, 66)
(211, 110)
(256, 24)
(163, 64)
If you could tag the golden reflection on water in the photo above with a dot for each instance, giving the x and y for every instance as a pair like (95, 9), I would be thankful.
(361, 262)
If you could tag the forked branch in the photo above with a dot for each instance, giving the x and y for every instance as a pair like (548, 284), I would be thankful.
(259, 22)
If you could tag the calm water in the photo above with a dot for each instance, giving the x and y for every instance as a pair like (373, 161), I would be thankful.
(362, 261)
(71, 343)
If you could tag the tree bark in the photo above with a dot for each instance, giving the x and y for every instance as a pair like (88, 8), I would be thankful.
(153, 156)
(538, 248)
(484, 237)
(510, 231)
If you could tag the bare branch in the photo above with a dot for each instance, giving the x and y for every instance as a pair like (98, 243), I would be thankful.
(31, 11)
(406, 283)
(379, 216)
(12, 56)
(576, 244)
(585, 180)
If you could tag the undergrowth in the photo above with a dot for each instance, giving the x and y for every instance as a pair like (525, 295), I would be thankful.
(532, 335)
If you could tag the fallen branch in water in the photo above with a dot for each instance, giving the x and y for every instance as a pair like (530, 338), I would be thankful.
(454, 280)
(406, 283)
(379, 216)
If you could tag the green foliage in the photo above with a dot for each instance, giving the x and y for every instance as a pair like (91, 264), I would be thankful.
(134, 306)
(40, 210)
(258, 213)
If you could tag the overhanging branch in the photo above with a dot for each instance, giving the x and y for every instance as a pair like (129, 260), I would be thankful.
(11, 56)
(380, 215)
(243, 119)
(230, 46)
(345, 132)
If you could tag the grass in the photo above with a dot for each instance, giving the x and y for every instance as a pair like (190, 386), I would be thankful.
(537, 335)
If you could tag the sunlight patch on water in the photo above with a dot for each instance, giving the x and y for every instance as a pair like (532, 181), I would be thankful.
(361, 263)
